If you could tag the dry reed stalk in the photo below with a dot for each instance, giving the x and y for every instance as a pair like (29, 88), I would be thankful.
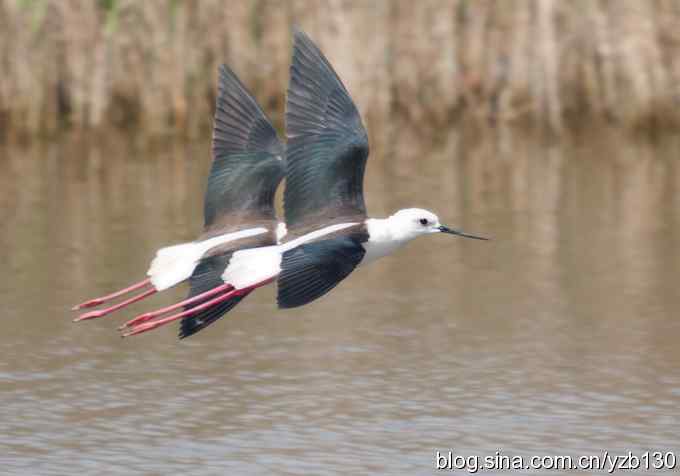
(517, 91)
(152, 65)
(424, 72)
(546, 38)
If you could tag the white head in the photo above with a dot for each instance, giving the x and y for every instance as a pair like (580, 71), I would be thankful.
(410, 223)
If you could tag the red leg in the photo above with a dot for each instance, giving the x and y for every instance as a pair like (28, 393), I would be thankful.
(115, 307)
(101, 300)
(147, 326)
(159, 312)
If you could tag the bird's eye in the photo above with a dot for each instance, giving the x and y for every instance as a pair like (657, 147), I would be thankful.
(423, 221)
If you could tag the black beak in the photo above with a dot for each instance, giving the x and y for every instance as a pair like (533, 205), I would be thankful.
(446, 229)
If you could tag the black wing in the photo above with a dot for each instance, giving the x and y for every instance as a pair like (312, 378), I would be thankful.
(327, 144)
(248, 160)
(206, 276)
(311, 270)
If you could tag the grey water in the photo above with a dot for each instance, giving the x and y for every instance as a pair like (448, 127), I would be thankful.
(558, 337)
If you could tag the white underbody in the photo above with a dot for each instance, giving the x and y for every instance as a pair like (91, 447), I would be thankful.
(250, 267)
(174, 264)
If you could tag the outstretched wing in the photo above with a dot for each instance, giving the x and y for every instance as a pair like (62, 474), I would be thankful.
(311, 270)
(248, 162)
(327, 144)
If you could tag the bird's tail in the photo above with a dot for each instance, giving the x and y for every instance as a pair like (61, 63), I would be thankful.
(171, 265)
(174, 264)
(254, 265)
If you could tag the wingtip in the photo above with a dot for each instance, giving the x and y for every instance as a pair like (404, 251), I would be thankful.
(297, 30)
(302, 39)
(239, 122)
(226, 78)
(183, 331)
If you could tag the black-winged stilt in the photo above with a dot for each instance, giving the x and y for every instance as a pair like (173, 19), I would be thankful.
(239, 212)
(329, 233)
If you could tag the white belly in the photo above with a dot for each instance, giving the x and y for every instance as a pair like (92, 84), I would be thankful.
(174, 264)
(378, 249)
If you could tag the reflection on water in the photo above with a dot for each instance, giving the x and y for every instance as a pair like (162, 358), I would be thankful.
(557, 337)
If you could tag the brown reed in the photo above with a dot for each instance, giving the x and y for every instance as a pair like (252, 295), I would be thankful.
(151, 65)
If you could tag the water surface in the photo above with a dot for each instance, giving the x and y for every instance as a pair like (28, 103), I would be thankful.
(559, 337)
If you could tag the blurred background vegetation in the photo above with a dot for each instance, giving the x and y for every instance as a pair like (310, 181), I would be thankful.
(151, 66)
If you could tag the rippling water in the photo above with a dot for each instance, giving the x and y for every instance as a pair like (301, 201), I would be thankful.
(559, 337)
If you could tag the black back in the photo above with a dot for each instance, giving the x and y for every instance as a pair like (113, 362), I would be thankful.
(247, 163)
(327, 144)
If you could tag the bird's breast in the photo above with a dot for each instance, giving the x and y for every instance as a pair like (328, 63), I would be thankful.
(376, 248)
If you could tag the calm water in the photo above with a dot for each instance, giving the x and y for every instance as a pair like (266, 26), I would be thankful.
(559, 337)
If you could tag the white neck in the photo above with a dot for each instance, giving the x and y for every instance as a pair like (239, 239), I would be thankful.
(384, 239)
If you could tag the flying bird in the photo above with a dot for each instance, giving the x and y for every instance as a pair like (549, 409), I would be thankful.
(248, 165)
(329, 232)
